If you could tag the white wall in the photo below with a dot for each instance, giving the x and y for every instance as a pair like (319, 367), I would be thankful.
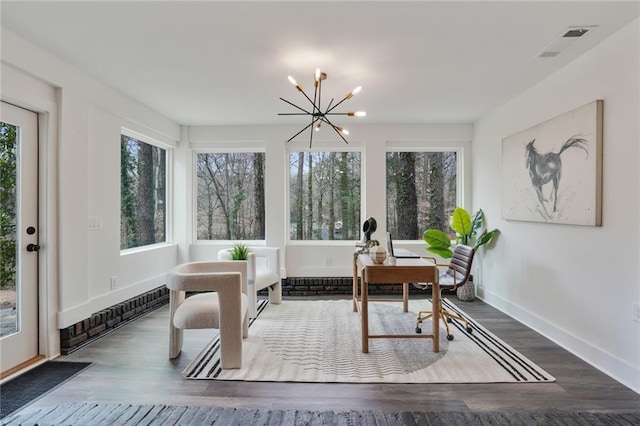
(82, 164)
(322, 258)
(574, 284)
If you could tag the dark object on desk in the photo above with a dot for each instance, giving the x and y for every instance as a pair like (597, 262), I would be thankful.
(368, 227)
(455, 276)
(398, 253)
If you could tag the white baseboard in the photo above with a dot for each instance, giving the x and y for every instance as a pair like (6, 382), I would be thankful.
(85, 310)
(609, 364)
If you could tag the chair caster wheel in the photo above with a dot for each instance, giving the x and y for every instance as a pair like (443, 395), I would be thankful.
(449, 337)
(469, 330)
(449, 320)
(418, 330)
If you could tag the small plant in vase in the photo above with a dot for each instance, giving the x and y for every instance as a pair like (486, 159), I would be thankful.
(239, 252)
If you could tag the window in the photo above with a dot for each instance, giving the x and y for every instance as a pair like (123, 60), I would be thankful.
(422, 192)
(230, 199)
(143, 193)
(9, 136)
(324, 195)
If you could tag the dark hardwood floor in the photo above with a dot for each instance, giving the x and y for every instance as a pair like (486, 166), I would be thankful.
(132, 366)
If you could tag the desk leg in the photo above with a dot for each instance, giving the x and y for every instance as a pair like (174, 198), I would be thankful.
(436, 317)
(405, 297)
(365, 314)
(355, 285)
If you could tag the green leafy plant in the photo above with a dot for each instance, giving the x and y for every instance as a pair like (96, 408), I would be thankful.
(466, 228)
(239, 252)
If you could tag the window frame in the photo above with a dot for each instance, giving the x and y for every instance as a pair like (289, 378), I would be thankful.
(430, 146)
(168, 214)
(194, 188)
(320, 146)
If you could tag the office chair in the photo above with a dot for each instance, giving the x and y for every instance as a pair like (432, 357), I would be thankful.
(457, 274)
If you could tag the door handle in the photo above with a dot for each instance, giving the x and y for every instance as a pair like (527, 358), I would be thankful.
(33, 247)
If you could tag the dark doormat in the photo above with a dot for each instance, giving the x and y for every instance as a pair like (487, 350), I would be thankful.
(31, 385)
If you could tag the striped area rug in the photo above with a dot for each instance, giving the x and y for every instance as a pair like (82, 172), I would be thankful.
(319, 341)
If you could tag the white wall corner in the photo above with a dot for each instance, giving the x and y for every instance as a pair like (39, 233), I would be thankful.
(619, 369)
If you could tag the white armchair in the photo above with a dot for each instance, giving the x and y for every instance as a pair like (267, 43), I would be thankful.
(224, 306)
(263, 271)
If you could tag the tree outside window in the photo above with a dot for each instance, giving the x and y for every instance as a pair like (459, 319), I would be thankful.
(8, 192)
(421, 192)
(143, 189)
(230, 199)
(325, 195)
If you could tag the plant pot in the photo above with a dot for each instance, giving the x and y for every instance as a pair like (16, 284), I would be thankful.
(467, 292)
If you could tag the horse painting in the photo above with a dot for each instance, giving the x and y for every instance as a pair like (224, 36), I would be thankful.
(545, 168)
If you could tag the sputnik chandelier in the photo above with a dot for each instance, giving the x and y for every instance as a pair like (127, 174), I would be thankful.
(318, 116)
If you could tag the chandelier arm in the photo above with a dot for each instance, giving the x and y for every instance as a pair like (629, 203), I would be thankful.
(303, 129)
(335, 106)
(313, 120)
(326, 120)
(308, 98)
(319, 95)
(329, 106)
(339, 134)
(294, 105)
(316, 92)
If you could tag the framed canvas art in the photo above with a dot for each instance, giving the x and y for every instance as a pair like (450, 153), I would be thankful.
(552, 172)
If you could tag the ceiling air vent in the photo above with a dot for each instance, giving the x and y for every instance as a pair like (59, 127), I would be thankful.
(566, 38)
(578, 32)
(548, 54)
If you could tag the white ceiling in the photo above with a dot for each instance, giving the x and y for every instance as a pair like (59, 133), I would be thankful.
(219, 63)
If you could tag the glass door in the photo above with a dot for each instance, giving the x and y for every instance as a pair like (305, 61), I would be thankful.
(18, 237)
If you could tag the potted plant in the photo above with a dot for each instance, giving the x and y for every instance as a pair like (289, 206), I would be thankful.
(239, 251)
(466, 228)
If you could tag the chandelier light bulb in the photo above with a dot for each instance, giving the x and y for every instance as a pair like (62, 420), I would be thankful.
(317, 127)
(295, 83)
(342, 130)
(318, 76)
(357, 114)
(353, 92)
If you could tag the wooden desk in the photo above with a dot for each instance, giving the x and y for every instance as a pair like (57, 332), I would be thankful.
(405, 271)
